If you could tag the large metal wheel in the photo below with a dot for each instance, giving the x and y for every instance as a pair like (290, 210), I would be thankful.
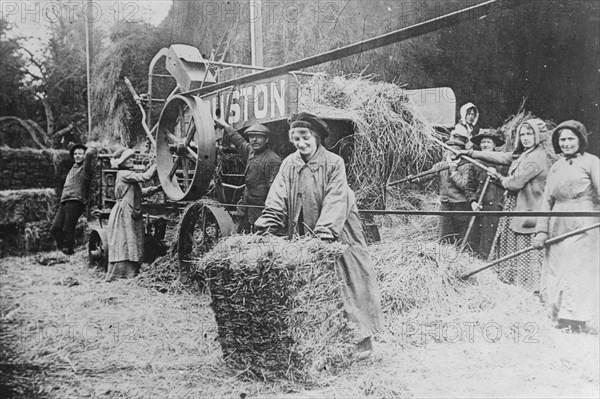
(98, 249)
(200, 228)
(185, 148)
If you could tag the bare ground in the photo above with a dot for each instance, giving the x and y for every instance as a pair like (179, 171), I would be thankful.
(121, 340)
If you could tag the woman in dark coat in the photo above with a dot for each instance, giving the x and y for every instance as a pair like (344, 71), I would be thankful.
(311, 194)
(484, 229)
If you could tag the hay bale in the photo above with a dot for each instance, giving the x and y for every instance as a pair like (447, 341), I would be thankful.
(278, 306)
(23, 168)
(391, 138)
(36, 235)
(29, 237)
(23, 206)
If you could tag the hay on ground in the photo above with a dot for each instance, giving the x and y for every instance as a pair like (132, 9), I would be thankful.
(278, 306)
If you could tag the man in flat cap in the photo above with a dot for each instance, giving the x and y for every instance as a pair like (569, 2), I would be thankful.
(262, 165)
(73, 198)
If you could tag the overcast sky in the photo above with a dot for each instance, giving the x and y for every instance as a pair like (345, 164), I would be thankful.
(32, 18)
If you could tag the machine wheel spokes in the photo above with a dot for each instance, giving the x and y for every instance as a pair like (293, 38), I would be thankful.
(200, 229)
(185, 148)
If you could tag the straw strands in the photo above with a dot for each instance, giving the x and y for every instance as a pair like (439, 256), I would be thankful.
(278, 306)
(391, 139)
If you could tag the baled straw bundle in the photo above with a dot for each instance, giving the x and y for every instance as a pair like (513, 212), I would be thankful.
(22, 168)
(36, 235)
(391, 138)
(22, 206)
(278, 306)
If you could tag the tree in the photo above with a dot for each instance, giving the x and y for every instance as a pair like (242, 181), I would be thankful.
(132, 47)
(56, 83)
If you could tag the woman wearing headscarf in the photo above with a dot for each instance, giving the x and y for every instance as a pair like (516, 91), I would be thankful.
(485, 227)
(125, 224)
(311, 194)
(524, 186)
(570, 277)
(469, 114)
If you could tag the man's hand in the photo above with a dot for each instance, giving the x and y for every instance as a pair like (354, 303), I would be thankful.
(221, 122)
(475, 206)
(155, 189)
(539, 240)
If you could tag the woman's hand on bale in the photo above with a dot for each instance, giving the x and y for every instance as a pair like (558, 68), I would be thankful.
(325, 236)
(539, 240)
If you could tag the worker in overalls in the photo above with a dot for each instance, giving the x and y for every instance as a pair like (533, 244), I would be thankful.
(262, 165)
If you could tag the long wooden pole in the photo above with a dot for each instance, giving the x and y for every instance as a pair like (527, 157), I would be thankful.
(472, 221)
(525, 250)
(445, 21)
(88, 64)
(462, 156)
(417, 176)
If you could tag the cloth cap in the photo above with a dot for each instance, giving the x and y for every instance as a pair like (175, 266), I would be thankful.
(257, 128)
(578, 128)
(121, 156)
(76, 147)
(310, 121)
(488, 134)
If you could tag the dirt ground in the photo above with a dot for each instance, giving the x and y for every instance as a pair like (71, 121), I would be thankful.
(65, 333)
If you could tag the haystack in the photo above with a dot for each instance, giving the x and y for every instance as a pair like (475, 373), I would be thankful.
(23, 168)
(22, 206)
(36, 235)
(278, 306)
(391, 139)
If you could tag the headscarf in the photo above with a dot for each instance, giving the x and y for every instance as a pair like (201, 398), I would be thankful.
(576, 127)
(540, 130)
(463, 113)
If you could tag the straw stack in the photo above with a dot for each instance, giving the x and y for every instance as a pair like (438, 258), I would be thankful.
(278, 306)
